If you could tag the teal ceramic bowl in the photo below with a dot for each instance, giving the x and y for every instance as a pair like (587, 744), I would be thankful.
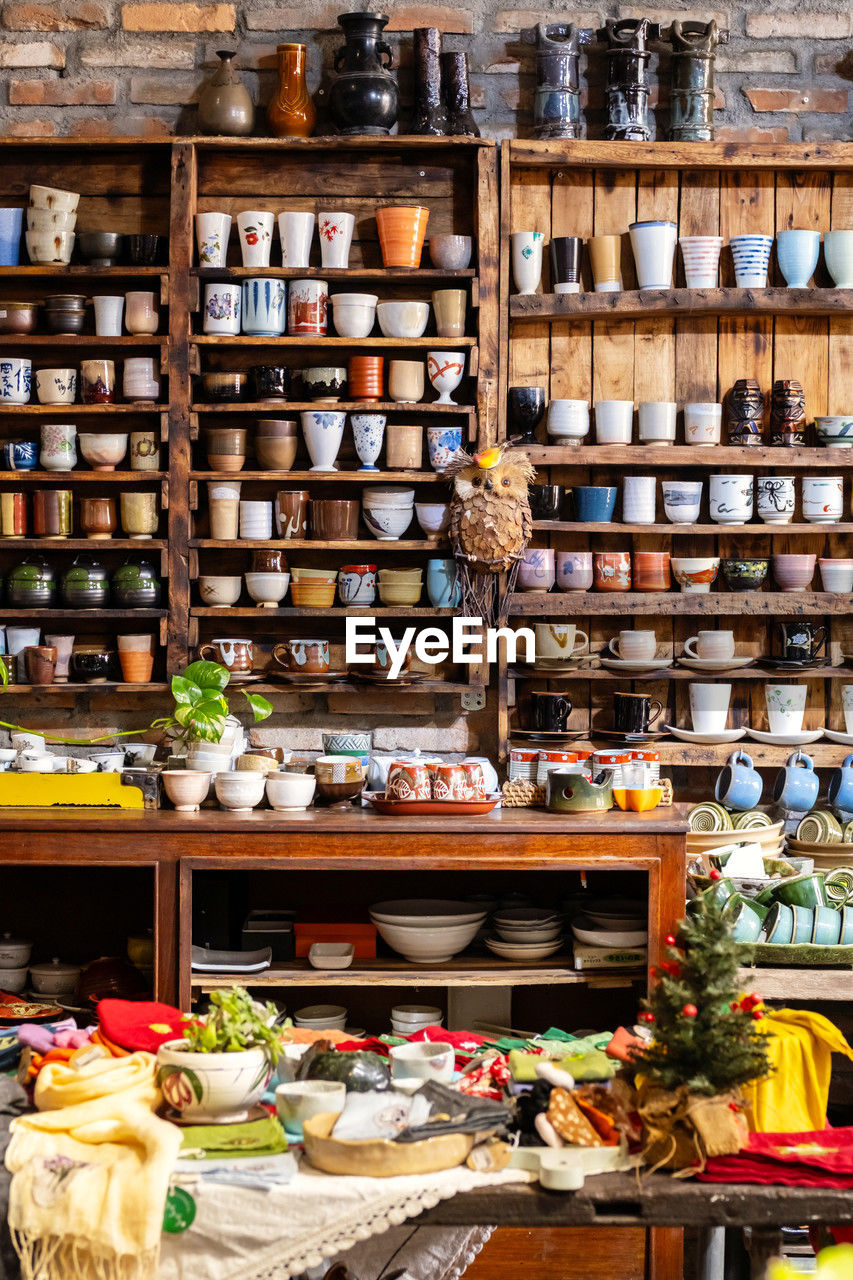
(746, 924)
(826, 930)
(846, 937)
(803, 891)
(803, 924)
(779, 925)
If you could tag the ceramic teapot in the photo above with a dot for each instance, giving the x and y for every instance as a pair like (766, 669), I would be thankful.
(31, 584)
(574, 793)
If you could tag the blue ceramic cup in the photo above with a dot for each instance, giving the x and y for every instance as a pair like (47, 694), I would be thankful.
(739, 785)
(442, 584)
(826, 930)
(264, 307)
(20, 455)
(744, 921)
(10, 237)
(797, 253)
(803, 924)
(841, 785)
(846, 938)
(594, 504)
(779, 924)
(797, 785)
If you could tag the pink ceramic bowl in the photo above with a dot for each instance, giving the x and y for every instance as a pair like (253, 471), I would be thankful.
(793, 572)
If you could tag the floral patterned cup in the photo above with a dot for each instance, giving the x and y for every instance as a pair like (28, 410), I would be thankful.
(212, 232)
(786, 706)
(336, 231)
(442, 444)
(58, 451)
(611, 570)
(255, 227)
(408, 780)
(222, 307)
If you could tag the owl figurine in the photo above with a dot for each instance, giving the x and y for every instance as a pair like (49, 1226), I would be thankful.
(490, 523)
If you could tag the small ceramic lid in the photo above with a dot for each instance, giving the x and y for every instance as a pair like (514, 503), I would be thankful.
(7, 940)
(56, 966)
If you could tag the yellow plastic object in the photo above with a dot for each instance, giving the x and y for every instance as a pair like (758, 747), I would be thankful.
(66, 791)
(638, 799)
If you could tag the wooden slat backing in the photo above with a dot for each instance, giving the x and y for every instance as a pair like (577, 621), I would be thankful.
(839, 393)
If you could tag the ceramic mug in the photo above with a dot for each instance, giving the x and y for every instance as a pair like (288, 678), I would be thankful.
(222, 308)
(799, 640)
(559, 641)
(594, 504)
(573, 570)
(635, 712)
(797, 785)
(236, 655)
(634, 646)
(840, 790)
(709, 707)
(549, 712)
(738, 784)
(803, 891)
(299, 655)
(611, 570)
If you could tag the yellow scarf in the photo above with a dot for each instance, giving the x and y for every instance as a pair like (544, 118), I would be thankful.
(90, 1177)
(793, 1098)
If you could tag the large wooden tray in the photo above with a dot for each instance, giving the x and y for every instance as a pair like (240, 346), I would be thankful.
(380, 1158)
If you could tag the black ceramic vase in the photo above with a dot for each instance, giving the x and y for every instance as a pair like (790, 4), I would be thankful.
(430, 112)
(556, 99)
(526, 409)
(627, 87)
(363, 97)
(457, 96)
(694, 50)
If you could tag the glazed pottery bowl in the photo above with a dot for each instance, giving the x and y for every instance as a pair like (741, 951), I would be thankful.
(49, 246)
(267, 588)
(186, 788)
(64, 319)
(14, 952)
(387, 524)
(103, 450)
(403, 319)
(339, 793)
(91, 665)
(275, 453)
(744, 575)
(219, 589)
(100, 248)
(251, 763)
(450, 253)
(376, 496)
(421, 943)
(695, 573)
(223, 386)
(290, 791)
(433, 1061)
(836, 575)
(269, 381)
(313, 595)
(434, 518)
(835, 430)
(402, 593)
(353, 313)
(19, 317)
(346, 744)
(239, 790)
(206, 1086)
(324, 382)
(54, 199)
(14, 980)
(793, 572)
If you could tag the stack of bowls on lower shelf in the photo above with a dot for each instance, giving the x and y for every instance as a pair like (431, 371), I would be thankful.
(427, 930)
(409, 1019)
(14, 959)
(526, 934)
(321, 1017)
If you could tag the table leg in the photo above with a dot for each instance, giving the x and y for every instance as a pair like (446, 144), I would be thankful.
(711, 1253)
(765, 1243)
(665, 1254)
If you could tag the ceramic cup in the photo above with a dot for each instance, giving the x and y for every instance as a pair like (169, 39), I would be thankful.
(605, 253)
(651, 571)
(822, 499)
(445, 370)
(549, 712)
(709, 707)
(751, 256)
(442, 583)
(63, 646)
(568, 420)
(682, 500)
(775, 498)
(357, 585)
(212, 232)
(635, 712)
(573, 570)
(526, 250)
(255, 520)
(58, 446)
(703, 423)
(323, 431)
(537, 570)
(136, 656)
(798, 640)
(611, 570)
(15, 380)
(701, 256)
(559, 641)
(109, 311)
(139, 513)
(739, 784)
(614, 420)
(594, 504)
(838, 255)
(449, 307)
(797, 785)
(237, 655)
(368, 430)
(797, 253)
(222, 305)
(255, 228)
(303, 655)
(144, 451)
(653, 244)
(717, 646)
(566, 263)
(263, 307)
(404, 444)
(442, 445)
(656, 419)
(307, 306)
(638, 499)
(634, 646)
(406, 381)
(836, 575)
(793, 572)
(223, 502)
(786, 706)
(141, 314)
(291, 513)
(730, 498)
(296, 231)
(335, 230)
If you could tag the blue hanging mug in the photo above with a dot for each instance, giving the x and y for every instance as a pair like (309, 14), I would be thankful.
(797, 785)
(841, 785)
(739, 785)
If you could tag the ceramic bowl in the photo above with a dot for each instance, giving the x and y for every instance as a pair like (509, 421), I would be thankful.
(435, 1060)
(186, 788)
(220, 588)
(54, 199)
(835, 430)
(300, 1100)
(103, 450)
(793, 572)
(836, 575)
(425, 944)
(49, 246)
(346, 744)
(269, 381)
(353, 313)
(55, 978)
(313, 595)
(100, 248)
(331, 955)
(695, 573)
(275, 453)
(251, 763)
(64, 319)
(91, 665)
(290, 791)
(434, 518)
(18, 317)
(324, 382)
(240, 791)
(402, 593)
(223, 386)
(403, 319)
(744, 575)
(450, 253)
(205, 1086)
(14, 952)
(387, 524)
(146, 250)
(50, 220)
(14, 980)
(267, 588)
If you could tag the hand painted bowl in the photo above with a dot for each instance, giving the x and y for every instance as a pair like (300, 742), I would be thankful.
(695, 573)
(218, 589)
(835, 430)
(744, 575)
(836, 575)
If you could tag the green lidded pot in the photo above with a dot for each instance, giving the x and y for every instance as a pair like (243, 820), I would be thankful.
(31, 584)
(135, 586)
(85, 585)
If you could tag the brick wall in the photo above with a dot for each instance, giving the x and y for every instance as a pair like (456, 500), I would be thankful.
(100, 66)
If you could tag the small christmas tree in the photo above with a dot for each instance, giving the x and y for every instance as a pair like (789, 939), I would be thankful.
(706, 1038)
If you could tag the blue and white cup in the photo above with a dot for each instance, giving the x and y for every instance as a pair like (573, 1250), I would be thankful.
(682, 500)
(751, 256)
(264, 307)
(739, 784)
(15, 380)
(357, 585)
(368, 430)
(10, 237)
(797, 253)
(20, 455)
(797, 785)
(841, 785)
(442, 583)
(442, 444)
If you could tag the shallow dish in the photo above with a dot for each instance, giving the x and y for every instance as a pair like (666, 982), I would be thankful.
(688, 735)
(419, 807)
(380, 1158)
(331, 955)
(536, 951)
(801, 739)
(585, 931)
(429, 912)
(206, 961)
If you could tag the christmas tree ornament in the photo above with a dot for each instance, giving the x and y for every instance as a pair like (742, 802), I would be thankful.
(690, 1011)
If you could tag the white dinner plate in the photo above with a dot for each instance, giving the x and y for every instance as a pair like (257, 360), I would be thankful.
(801, 739)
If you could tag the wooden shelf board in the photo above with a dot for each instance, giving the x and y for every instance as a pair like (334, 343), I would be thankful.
(106, 686)
(678, 155)
(684, 455)
(123, 615)
(673, 752)
(246, 611)
(73, 410)
(83, 544)
(271, 407)
(318, 544)
(335, 274)
(683, 673)
(636, 304)
(365, 686)
(77, 269)
(798, 984)
(472, 971)
(82, 340)
(689, 530)
(622, 604)
(327, 340)
(75, 476)
(303, 477)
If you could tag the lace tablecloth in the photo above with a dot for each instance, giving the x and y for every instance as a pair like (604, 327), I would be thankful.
(240, 1234)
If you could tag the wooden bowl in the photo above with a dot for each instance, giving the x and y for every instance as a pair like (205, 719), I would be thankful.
(380, 1158)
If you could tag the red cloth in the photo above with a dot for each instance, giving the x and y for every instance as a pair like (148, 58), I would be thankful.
(822, 1158)
(140, 1024)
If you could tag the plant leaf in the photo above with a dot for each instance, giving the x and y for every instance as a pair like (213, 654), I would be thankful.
(207, 721)
(260, 707)
(208, 675)
(185, 692)
(4, 674)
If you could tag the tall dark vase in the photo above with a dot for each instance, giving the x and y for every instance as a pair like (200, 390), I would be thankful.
(694, 51)
(627, 87)
(430, 112)
(556, 101)
(363, 97)
(457, 95)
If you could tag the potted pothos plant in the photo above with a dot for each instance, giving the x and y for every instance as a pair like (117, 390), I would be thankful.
(201, 712)
(225, 1059)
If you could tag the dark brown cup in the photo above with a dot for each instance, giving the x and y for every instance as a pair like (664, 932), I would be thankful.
(291, 513)
(41, 663)
(549, 712)
(334, 519)
(98, 517)
(237, 655)
(634, 712)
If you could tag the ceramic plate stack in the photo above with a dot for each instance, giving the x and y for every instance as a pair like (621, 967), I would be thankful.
(427, 930)
(525, 934)
(409, 1019)
(770, 838)
(321, 1017)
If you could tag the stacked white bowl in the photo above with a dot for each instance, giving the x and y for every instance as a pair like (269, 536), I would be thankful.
(427, 930)
(409, 1019)
(321, 1017)
(51, 219)
(526, 933)
(14, 959)
(387, 510)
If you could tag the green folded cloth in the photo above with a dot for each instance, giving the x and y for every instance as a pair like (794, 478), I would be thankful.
(588, 1066)
(253, 1138)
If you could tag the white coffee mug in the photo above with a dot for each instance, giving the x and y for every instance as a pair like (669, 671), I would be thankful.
(634, 646)
(718, 646)
(559, 641)
(709, 707)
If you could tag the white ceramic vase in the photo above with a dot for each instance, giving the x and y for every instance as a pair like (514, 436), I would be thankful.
(323, 432)
(527, 259)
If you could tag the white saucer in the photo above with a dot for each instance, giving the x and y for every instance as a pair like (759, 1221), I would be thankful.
(636, 668)
(801, 739)
(715, 664)
(544, 666)
(709, 739)
(843, 739)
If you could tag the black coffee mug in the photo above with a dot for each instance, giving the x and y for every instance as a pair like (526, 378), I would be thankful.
(798, 641)
(632, 712)
(546, 501)
(565, 259)
(549, 712)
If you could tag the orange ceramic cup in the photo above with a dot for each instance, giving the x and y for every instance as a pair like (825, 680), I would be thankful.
(366, 377)
(651, 571)
(611, 570)
(401, 234)
(136, 655)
